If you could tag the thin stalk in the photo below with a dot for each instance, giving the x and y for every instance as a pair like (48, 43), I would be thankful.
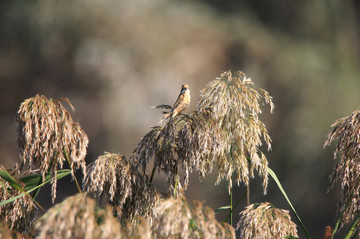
(237, 204)
(231, 207)
(248, 194)
(231, 191)
(76, 181)
(340, 217)
(152, 173)
(176, 184)
(248, 185)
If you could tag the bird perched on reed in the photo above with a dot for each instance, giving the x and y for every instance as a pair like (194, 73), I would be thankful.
(182, 103)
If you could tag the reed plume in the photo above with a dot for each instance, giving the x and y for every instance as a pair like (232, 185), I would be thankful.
(48, 137)
(263, 220)
(347, 170)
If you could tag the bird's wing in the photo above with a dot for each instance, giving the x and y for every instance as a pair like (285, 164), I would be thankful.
(178, 101)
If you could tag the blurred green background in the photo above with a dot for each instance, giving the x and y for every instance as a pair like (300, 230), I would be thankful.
(115, 59)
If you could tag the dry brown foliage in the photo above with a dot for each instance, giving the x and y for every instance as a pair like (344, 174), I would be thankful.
(328, 232)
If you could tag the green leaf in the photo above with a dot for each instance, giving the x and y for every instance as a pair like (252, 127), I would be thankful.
(273, 175)
(353, 228)
(34, 180)
(61, 173)
(8, 178)
(192, 225)
(338, 221)
(31, 181)
(222, 208)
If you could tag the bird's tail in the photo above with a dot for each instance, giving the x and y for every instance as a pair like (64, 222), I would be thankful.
(165, 117)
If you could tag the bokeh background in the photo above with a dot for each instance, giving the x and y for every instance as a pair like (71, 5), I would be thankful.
(115, 59)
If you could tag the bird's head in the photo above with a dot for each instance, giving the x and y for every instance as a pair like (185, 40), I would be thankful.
(184, 88)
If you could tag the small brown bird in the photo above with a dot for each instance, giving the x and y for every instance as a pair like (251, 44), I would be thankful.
(182, 103)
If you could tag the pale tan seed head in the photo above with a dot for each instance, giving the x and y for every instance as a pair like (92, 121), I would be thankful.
(236, 105)
(77, 217)
(175, 218)
(48, 137)
(225, 133)
(111, 179)
(7, 233)
(347, 170)
(19, 214)
(263, 220)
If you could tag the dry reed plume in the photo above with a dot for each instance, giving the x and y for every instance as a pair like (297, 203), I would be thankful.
(6, 233)
(181, 142)
(112, 179)
(20, 213)
(347, 170)
(235, 108)
(47, 136)
(175, 218)
(263, 220)
(77, 217)
(225, 133)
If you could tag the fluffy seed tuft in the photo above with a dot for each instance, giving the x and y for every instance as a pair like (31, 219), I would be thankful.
(47, 137)
(263, 220)
(347, 170)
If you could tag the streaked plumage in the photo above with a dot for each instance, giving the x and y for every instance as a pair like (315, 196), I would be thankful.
(182, 103)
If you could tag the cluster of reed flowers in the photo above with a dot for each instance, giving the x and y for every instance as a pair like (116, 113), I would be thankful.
(77, 217)
(181, 142)
(111, 179)
(20, 213)
(7, 233)
(347, 170)
(263, 220)
(175, 218)
(224, 133)
(235, 105)
(47, 137)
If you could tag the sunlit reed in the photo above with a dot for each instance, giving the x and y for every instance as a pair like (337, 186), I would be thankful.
(263, 220)
(347, 133)
(48, 137)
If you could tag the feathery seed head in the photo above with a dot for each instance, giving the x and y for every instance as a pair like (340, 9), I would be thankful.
(175, 218)
(7, 233)
(20, 213)
(225, 133)
(77, 217)
(235, 104)
(47, 136)
(263, 220)
(111, 179)
(347, 170)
